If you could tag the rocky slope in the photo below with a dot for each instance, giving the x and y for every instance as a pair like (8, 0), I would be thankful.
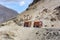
(6, 14)
(12, 30)
(46, 11)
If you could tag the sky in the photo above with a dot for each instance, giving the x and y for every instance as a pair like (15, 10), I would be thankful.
(18, 5)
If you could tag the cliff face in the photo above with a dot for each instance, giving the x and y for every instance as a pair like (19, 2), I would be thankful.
(40, 22)
(45, 11)
(34, 3)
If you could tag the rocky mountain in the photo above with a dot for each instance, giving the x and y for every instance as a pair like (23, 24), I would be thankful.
(41, 21)
(46, 11)
(6, 14)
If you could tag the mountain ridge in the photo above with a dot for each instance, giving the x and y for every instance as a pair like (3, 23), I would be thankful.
(6, 14)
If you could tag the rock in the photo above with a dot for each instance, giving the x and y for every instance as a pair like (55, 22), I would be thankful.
(6, 14)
